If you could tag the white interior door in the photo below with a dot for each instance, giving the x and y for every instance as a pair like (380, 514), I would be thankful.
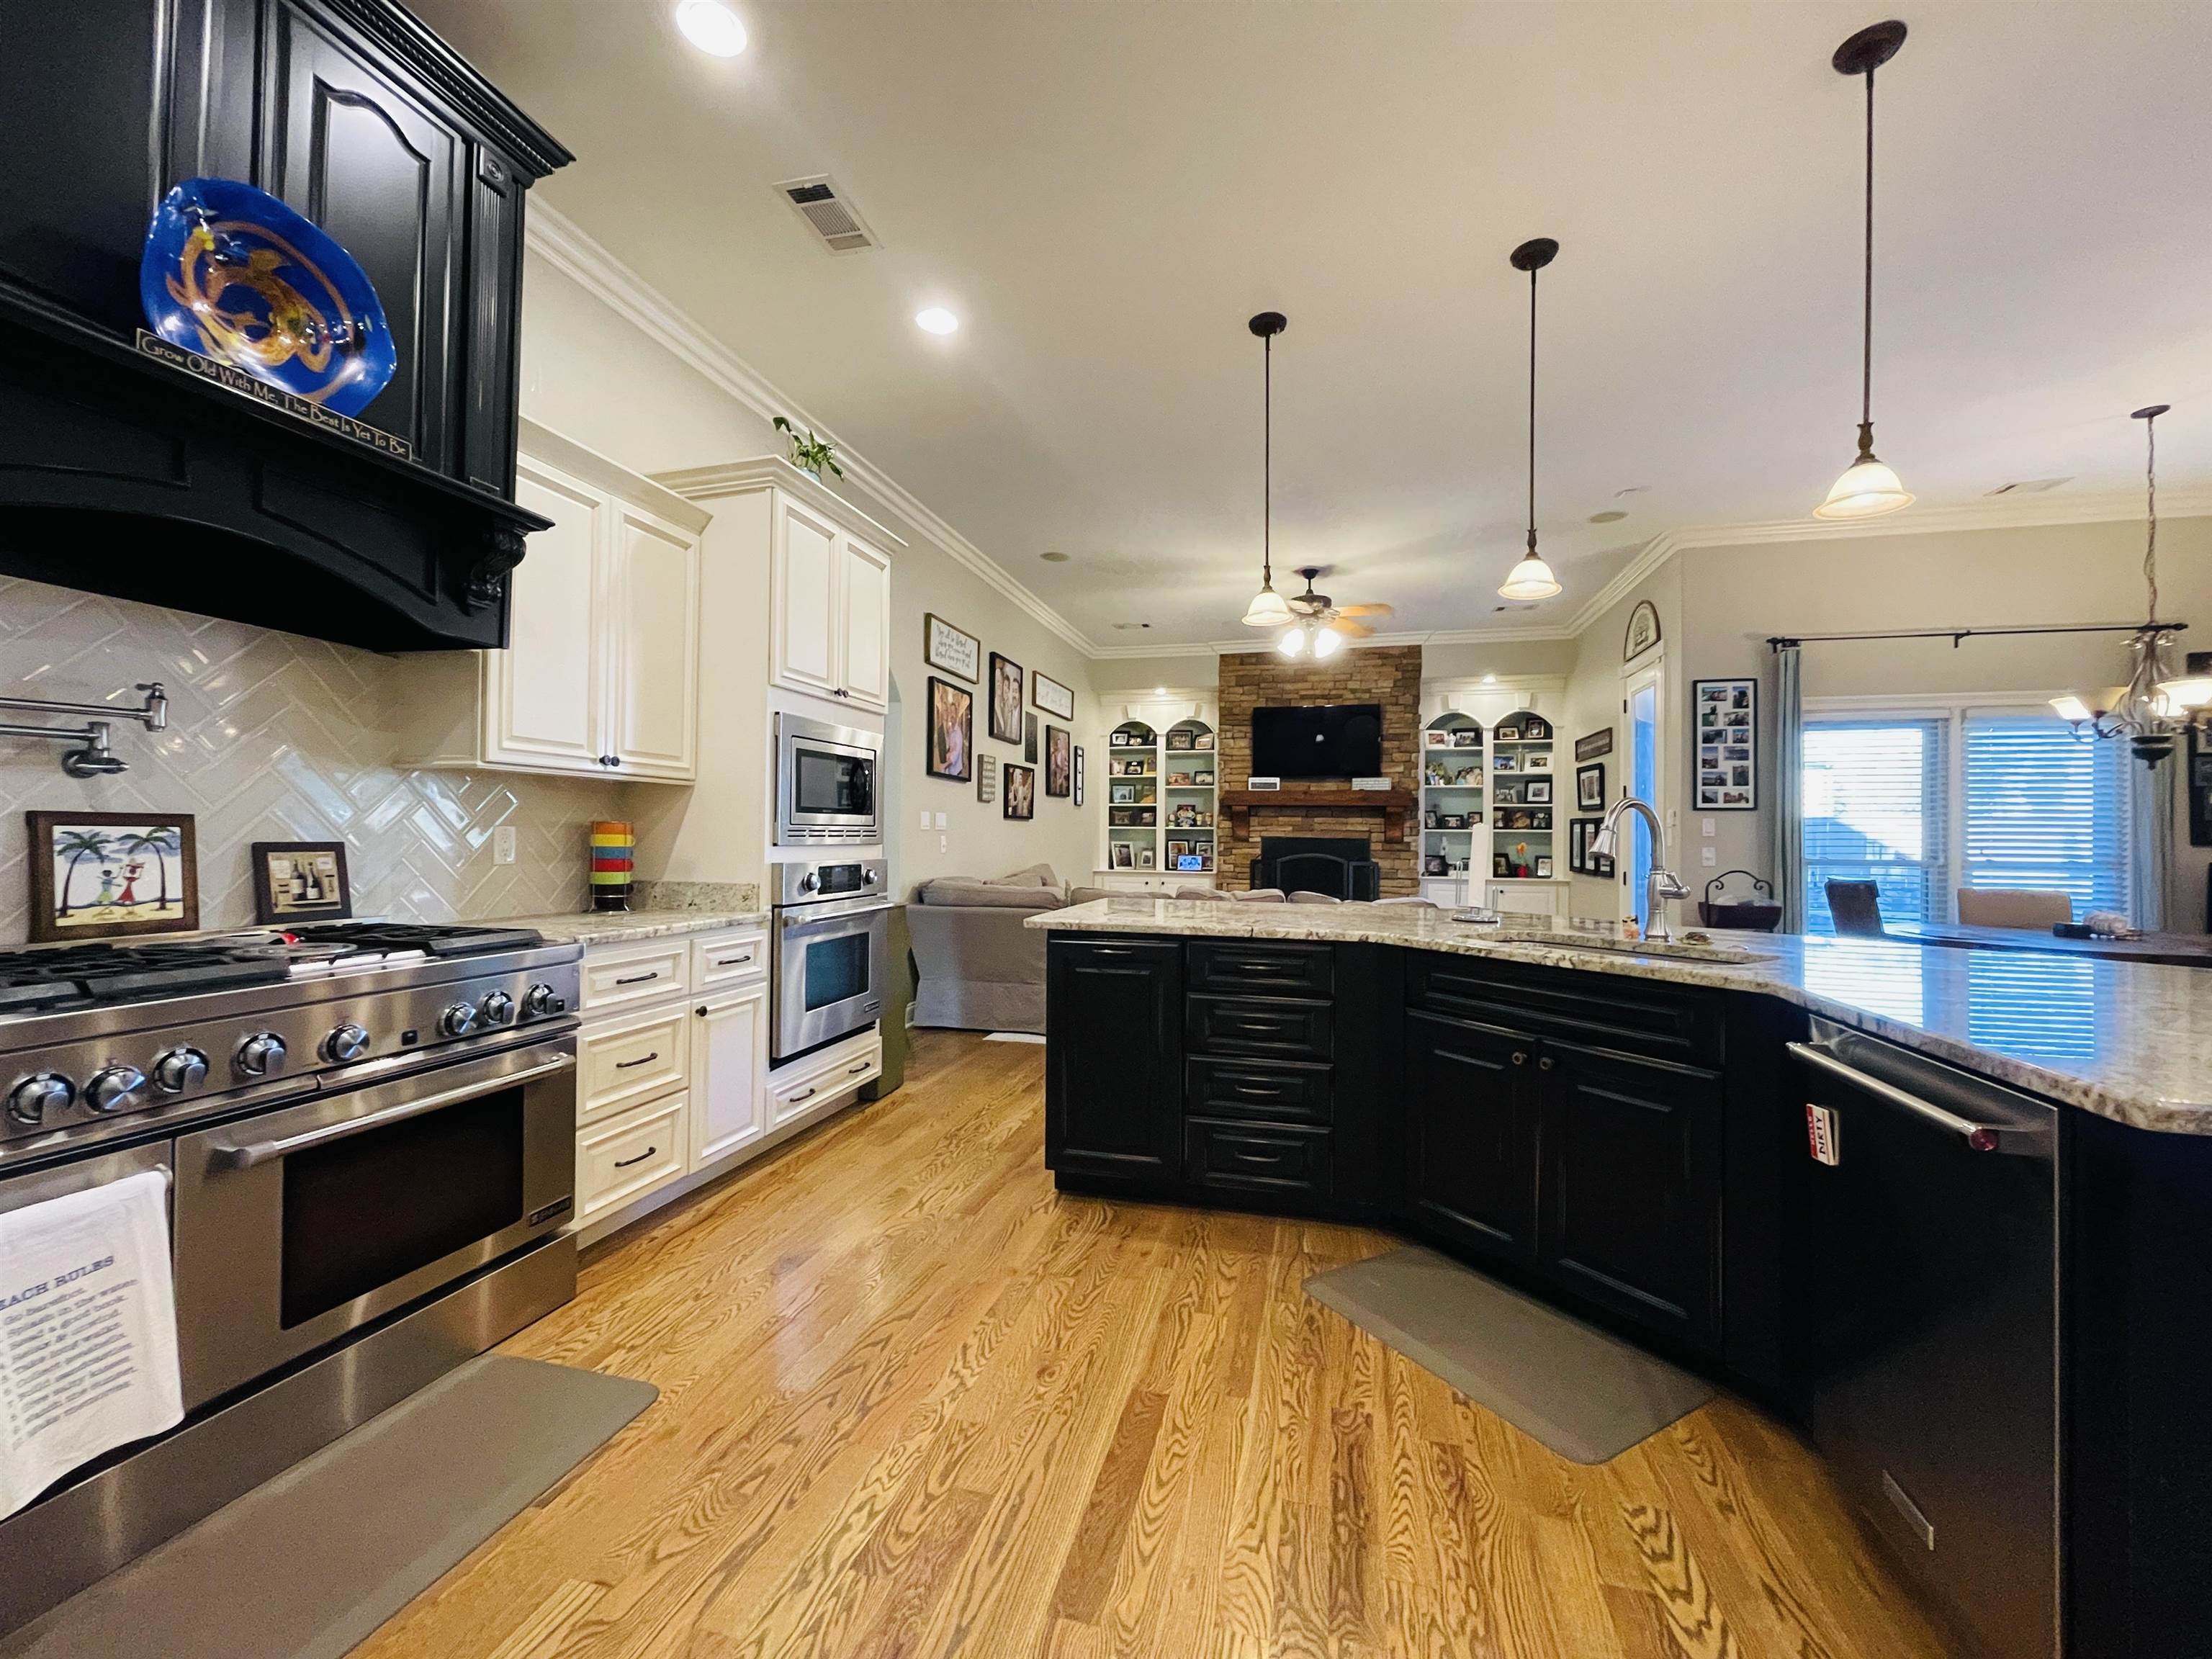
(653, 591)
(865, 675)
(543, 707)
(804, 636)
(730, 1061)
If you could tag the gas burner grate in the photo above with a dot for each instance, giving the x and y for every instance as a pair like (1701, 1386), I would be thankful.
(389, 938)
(76, 975)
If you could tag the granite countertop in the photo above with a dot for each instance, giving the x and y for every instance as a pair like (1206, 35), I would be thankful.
(2129, 1041)
(618, 926)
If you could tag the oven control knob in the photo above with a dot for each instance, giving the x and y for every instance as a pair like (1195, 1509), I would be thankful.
(349, 1041)
(118, 1089)
(179, 1069)
(538, 1001)
(497, 1009)
(809, 882)
(458, 1020)
(29, 1101)
(260, 1054)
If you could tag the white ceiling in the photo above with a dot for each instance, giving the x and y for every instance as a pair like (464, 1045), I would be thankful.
(1105, 194)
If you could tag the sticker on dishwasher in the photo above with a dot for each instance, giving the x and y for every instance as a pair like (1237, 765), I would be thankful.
(1820, 1133)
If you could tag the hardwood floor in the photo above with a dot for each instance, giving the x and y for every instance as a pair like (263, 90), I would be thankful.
(913, 1402)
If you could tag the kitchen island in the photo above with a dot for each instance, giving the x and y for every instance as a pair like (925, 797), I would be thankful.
(1625, 1133)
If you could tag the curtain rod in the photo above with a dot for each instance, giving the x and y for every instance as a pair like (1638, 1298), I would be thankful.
(1777, 641)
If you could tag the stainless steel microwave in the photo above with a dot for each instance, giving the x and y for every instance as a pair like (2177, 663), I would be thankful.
(826, 784)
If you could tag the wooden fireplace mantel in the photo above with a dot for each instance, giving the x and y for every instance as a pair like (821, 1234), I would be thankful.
(1392, 804)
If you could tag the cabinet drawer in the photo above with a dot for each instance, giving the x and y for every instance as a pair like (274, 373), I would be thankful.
(623, 1062)
(1263, 968)
(1250, 1157)
(1613, 1011)
(846, 1070)
(624, 975)
(721, 959)
(1276, 1091)
(630, 1155)
(1285, 1030)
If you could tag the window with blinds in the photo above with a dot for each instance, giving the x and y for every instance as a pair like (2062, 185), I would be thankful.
(1921, 804)
(2045, 811)
(1873, 799)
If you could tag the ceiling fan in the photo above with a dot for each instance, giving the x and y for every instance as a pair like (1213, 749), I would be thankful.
(1319, 624)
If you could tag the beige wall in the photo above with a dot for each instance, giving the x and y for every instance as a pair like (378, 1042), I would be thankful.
(594, 376)
(1734, 598)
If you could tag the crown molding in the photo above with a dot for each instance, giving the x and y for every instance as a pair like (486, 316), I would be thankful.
(758, 472)
(569, 249)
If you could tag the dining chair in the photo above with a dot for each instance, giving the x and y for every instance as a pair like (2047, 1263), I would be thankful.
(2026, 908)
(1856, 906)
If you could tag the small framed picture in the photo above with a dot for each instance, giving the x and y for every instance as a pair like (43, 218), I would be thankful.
(1005, 699)
(109, 875)
(1017, 791)
(1589, 787)
(1537, 792)
(1029, 738)
(1175, 851)
(1078, 774)
(1049, 695)
(1058, 760)
(951, 732)
(1467, 737)
(1536, 760)
(1206, 741)
(1543, 866)
(1429, 819)
(1434, 864)
(1123, 856)
(953, 649)
(1534, 728)
(1500, 865)
(1505, 760)
(300, 881)
(1144, 860)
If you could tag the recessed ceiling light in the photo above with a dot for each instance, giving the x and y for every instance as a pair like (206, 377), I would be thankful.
(1159, 690)
(1613, 517)
(1054, 558)
(1490, 679)
(937, 319)
(712, 26)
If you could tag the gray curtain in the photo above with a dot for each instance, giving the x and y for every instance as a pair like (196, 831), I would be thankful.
(1787, 823)
(2151, 870)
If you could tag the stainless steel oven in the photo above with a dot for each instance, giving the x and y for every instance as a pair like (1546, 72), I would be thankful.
(825, 784)
(299, 1225)
(832, 947)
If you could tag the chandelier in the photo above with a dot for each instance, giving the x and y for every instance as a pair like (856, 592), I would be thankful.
(2157, 705)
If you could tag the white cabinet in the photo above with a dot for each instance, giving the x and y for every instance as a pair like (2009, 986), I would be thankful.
(729, 1062)
(600, 675)
(828, 575)
(1524, 898)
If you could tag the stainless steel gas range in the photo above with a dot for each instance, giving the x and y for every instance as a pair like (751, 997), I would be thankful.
(370, 1132)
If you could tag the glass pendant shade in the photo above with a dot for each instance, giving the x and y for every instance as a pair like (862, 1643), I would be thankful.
(2071, 709)
(1531, 579)
(2186, 695)
(1327, 642)
(1293, 642)
(1267, 610)
(1868, 489)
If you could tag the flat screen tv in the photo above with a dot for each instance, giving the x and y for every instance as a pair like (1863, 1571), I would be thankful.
(1344, 741)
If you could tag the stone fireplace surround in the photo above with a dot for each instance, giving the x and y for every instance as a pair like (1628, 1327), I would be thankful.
(1388, 675)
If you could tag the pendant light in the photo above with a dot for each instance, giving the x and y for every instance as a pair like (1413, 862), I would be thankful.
(1267, 609)
(1532, 579)
(2154, 707)
(1867, 487)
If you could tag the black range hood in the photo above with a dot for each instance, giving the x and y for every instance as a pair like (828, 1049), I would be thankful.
(126, 473)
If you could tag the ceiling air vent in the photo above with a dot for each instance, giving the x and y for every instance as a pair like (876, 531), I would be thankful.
(835, 220)
(2029, 486)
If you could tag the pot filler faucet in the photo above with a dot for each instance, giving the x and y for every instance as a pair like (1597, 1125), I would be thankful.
(1661, 884)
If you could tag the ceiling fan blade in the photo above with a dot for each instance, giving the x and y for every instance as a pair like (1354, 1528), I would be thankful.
(1364, 610)
(1351, 630)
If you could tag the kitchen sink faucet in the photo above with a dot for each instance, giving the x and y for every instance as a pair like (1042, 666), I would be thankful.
(1661, 884)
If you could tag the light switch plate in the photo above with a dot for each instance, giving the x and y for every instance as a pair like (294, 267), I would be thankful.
(925, 818)
(1712, 856)
(502, 844)
(1705, 826)
(940, 820)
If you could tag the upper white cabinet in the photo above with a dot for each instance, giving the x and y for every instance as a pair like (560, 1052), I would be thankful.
(829, 578)
(600, 676)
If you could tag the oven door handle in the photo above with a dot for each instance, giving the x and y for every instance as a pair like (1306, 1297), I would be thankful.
(253, 1152)
(806, 926)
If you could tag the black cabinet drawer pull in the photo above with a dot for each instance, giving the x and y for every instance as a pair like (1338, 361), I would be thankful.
(1111, 951)
(1245, 1155)
(804, 1094)
(1520, 1057)
(858, 1067)
(639, 979)
(625, 1064)
(624, 1163)
(1257, 1090)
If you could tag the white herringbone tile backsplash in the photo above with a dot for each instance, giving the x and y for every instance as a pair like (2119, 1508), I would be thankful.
(275, 738)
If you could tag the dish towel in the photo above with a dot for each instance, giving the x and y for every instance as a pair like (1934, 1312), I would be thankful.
(88, 1331)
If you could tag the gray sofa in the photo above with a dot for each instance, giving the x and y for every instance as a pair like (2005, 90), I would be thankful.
(976, 968)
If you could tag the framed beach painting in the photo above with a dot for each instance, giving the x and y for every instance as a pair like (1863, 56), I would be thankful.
(108, 875)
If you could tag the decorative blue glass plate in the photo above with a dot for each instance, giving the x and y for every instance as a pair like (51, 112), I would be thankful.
(231, 272)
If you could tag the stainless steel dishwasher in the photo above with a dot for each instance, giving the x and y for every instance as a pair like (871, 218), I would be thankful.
(1935, 1333)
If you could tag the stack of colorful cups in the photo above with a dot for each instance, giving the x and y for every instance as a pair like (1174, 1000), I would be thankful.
(614, 851)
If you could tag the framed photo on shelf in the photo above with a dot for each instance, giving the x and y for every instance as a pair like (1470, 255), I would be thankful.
(1005, 699)
(951, 732)
(1122, 855)
(109, 875)
(1589, 787)
(1049, 695)
(1536, 760)
(1543, 866)
(1537, 792)
(1725, 732)
(953, 649)
(1534, 728)
(1501, 867)
(1144, 858)
(1434, 864)
(1505, 760)
(300, 881)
